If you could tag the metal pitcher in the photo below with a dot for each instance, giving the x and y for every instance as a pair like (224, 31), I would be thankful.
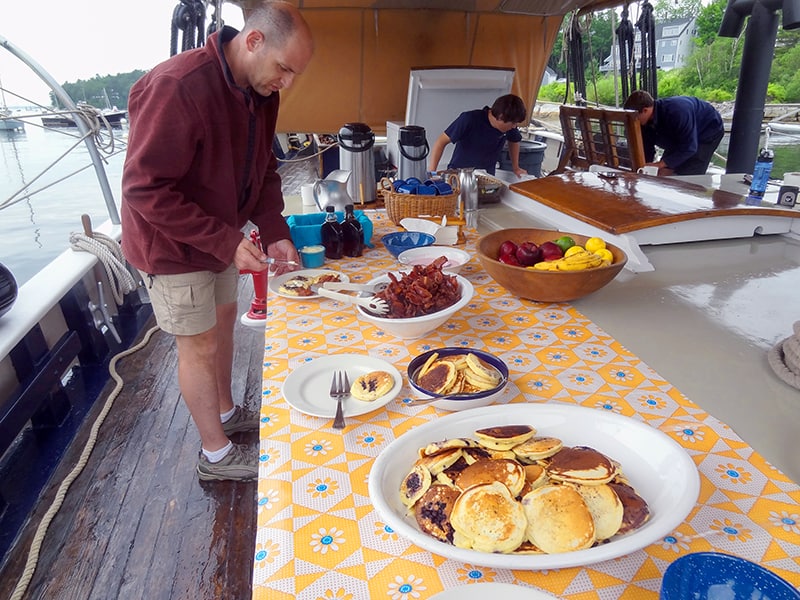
(333, 191)
(468, 182)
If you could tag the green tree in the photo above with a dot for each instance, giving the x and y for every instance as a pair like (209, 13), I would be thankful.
(94, 91)
(709, 20)
(676, 9)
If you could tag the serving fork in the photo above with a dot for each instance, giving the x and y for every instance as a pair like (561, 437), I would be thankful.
(373, 288)
(379, 306)
(340, 388)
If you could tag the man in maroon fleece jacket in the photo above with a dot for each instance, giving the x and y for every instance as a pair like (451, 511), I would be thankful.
(199, 166)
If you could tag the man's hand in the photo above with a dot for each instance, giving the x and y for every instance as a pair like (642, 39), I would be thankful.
(285, 250)
(248, 257)
(519, 172)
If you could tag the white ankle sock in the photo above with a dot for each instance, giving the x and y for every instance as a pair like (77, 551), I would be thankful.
(218, 455)
(226, 416)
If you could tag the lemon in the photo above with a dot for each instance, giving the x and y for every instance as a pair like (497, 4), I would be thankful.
(594, 244)
(605, 254)
(573, 250)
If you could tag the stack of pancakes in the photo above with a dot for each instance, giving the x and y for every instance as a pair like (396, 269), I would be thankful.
(300, 285)
(457, 374)
(508, 490)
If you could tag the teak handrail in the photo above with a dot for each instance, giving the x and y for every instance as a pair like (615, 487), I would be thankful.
(598, 136)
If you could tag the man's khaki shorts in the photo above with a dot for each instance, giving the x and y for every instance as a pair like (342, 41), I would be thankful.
(185, 304)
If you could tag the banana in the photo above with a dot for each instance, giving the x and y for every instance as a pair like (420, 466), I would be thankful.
(577, 255)
(545, 266)
(573, 267)
(578, 265)
(579, 262)
(577, 259)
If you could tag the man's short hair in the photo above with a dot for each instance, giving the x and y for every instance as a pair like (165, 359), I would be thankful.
(274, 20)
(638, 101)
(509, 109)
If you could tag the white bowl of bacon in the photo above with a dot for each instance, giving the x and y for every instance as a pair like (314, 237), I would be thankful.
(420, 300)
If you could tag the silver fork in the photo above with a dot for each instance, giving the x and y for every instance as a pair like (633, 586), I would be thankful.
(339, 389)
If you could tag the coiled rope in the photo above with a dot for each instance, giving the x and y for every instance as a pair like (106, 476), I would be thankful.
(109, 254)
(41, 530)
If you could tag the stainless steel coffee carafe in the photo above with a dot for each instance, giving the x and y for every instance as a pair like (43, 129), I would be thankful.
(355, 155)
(414, 149)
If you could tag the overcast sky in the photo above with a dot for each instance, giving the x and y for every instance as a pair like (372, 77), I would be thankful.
(83, 38)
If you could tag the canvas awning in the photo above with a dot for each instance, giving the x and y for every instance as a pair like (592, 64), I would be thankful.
(365, 51)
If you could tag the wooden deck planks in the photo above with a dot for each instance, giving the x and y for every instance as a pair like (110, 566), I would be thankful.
(137, 523)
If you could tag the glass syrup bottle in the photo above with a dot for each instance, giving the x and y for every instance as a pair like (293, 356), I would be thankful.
(352, 233)
(331, 232)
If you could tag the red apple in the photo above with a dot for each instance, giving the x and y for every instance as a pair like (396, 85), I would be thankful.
(551, 251)
(528, 254)
(509, 259)
(507, 247)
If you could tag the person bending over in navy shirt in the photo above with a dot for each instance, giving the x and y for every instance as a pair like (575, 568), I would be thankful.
(479, 136)
(686, 128)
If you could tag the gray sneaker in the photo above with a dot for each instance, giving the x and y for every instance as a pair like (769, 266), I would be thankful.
(240, 464)
(243, 419)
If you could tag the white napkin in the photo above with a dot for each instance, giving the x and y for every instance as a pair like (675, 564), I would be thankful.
(444, 235)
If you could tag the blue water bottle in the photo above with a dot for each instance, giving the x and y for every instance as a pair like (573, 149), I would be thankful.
(761, 173)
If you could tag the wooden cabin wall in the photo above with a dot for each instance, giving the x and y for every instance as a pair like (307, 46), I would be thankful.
(363, 59)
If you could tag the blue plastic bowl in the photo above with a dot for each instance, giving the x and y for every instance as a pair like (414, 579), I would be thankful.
(462, 401)
(403, 240)
(709, 575)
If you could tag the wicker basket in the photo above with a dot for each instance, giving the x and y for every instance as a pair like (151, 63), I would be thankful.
(490, 190)
(399, 206)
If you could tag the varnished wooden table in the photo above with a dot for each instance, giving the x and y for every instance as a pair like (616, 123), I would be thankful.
(633, 210)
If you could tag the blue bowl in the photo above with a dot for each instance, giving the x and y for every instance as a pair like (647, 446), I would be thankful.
(461, 401)
(708, 575)
(403, 240)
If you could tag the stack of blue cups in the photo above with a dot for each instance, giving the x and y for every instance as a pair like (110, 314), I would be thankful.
(429, 187)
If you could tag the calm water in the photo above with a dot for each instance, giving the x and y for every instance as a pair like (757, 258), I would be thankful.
(786, 149)
(35, 230)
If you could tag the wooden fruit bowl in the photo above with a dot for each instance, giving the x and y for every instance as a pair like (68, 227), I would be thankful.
(544, 286)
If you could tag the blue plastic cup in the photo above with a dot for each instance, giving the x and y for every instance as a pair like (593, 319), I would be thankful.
(312, 257)
(408, 188)
(443, 188)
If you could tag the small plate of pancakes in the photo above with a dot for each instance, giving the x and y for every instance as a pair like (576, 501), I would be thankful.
(654, 464)
(297, 284)
(468, 377)
(307, 388)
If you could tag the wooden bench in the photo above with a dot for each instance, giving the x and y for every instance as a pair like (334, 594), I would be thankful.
(597, 136)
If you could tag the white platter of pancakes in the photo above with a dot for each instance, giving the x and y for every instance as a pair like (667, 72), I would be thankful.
(533, 486)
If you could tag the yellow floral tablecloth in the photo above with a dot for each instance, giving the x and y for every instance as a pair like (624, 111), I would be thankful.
(318, 534)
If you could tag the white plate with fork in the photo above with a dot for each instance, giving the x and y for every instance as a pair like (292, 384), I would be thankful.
(308, 387)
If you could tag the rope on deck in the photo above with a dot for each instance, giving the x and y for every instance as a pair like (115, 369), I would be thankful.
(108, 252)
(52, 511)
(784, 358)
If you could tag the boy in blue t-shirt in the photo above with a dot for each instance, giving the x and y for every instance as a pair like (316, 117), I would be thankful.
(479, 136)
